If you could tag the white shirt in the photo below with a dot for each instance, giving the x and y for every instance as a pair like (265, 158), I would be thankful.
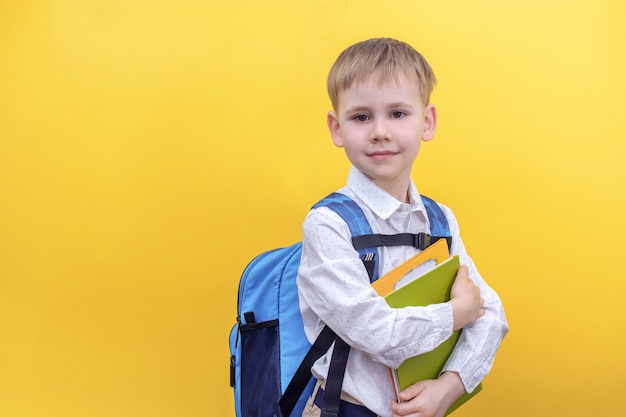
(334, 289)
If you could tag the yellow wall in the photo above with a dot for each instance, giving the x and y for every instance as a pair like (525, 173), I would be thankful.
(149, 149)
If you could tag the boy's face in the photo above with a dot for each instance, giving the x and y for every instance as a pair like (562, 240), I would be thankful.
(381, 128)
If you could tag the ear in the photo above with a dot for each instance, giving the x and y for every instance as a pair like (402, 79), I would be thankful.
(430, 122)
(335, 130)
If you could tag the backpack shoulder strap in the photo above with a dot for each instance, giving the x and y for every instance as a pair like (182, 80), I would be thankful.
(349, 211)
(439, 227)
(359, 227)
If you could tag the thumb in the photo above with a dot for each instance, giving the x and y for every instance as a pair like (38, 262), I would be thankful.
(463, 272)
(411, 391)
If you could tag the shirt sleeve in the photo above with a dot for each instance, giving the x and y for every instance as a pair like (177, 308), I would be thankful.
(334, 289)
(476, 349)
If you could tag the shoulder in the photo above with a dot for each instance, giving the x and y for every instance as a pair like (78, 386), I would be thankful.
(323, 220)
(326, 238)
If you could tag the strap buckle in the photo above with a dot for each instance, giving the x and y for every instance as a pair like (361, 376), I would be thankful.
(423, 240)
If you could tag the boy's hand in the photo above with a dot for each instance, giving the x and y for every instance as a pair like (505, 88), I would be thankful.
(467, 304)
(429, 398)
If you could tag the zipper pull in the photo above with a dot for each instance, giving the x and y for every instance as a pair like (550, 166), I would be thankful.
(232, 371)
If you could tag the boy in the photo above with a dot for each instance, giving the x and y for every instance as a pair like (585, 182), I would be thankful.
(380, 91)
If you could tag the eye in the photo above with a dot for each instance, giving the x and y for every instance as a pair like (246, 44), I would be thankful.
(361, 118)
(397, 114)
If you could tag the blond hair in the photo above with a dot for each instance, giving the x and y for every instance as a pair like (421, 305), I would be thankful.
(384, 59)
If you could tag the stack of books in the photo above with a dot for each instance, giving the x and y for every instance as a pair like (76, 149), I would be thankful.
(423, 280)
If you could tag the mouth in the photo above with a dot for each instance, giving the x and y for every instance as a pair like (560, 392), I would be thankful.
(381, 155)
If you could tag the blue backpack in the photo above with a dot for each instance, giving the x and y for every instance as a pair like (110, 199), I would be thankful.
(271, 358)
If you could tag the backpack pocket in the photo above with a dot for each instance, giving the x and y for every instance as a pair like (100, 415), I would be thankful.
(260, 369)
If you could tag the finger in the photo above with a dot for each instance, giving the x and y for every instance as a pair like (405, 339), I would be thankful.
(397, 409)
(403, 409)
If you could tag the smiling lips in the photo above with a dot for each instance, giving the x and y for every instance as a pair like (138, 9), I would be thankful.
(380, 155)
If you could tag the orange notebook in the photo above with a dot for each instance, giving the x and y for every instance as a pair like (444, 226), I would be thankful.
(413, 268)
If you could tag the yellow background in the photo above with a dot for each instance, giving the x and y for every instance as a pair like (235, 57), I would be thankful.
(149, 149)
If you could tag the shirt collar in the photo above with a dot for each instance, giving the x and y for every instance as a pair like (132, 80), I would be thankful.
(379, 201)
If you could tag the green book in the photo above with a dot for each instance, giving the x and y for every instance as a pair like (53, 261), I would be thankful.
(432, 287)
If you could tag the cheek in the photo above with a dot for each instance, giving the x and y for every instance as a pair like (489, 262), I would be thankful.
(408, 138)
(350, 148)
(353, 137)
(412, 135)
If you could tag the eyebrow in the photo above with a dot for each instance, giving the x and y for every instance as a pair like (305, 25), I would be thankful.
(400, 104)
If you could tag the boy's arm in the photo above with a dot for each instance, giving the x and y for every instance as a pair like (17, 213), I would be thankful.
(475, 351)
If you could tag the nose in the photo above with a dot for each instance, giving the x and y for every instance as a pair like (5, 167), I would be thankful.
(380, 131)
